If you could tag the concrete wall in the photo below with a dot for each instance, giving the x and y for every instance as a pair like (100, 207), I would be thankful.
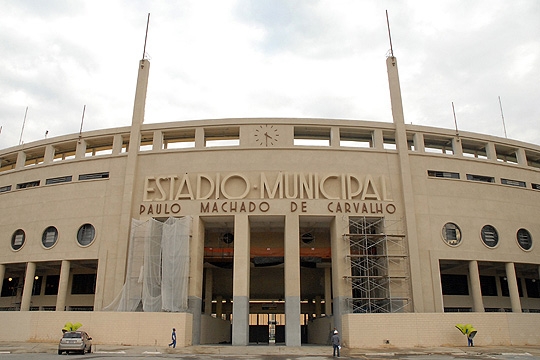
(214, 331)
(319, 330)
(104, 327)
(436, 329)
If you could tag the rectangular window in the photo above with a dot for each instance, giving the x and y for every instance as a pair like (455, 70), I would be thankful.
(513, 182)
(533, 288)
(83, 284)
(28, 184)
(481, 178)
(536, 186)
(311, 136)
(8, 188)
(454, 284)
(443, 174)
(57, 180)
(51, 284)
(504, 286)
(9, 288)
(94, 176)
(488, 285)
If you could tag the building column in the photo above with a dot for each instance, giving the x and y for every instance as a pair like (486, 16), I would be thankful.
(474, 276)
(328, 291)
(28, 286)
(3, 273)
(63, 285)
(292, 281)
(209, 283)
(196, 255)
(318, 306)
(342, 289)
(512, 286)
(241, 271)
(219, 306)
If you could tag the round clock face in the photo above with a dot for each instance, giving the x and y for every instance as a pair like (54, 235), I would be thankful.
(266, 135)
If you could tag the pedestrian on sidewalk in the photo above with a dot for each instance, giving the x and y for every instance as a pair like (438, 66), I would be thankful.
(336, 344)
(173, 338)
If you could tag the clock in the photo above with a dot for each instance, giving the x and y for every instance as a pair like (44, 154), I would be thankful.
(266, 135)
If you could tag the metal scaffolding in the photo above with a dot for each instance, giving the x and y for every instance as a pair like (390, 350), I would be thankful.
(379, 267)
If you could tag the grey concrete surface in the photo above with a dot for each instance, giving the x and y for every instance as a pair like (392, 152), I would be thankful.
(284, 352)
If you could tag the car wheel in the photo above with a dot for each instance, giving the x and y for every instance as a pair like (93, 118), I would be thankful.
(59, 352)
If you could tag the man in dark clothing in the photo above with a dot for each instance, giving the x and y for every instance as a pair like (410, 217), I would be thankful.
(173, 337)
(336, 343)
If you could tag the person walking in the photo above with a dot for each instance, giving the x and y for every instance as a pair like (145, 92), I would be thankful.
(336, 344)
(173, 338)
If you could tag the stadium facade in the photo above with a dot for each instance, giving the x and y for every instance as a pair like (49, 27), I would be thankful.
(271, 230)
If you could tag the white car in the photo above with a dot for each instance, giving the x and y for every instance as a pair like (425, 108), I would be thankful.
(75, 341)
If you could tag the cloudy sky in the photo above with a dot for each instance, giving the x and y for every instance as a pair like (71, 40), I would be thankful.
(268, 58)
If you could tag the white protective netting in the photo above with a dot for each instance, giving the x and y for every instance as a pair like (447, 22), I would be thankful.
(157, 268)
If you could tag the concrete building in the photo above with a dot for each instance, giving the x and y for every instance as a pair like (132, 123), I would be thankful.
(271, 230)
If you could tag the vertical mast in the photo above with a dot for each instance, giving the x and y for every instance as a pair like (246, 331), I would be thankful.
(409, 209)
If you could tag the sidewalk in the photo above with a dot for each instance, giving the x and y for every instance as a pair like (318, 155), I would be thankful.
(307, 350)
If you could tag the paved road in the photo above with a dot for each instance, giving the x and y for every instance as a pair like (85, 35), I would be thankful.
(375, 356)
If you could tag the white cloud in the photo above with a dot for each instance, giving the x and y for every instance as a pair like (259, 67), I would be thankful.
(251, 58)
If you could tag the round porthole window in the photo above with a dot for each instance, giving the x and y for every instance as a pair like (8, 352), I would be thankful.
(490, 236)
(451, 234)
(86, 234)
(307, 238)
(17, 239)
(49, 237)
(227, 238)
(524, 239)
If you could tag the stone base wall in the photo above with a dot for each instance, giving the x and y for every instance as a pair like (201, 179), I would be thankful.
(121, 328)
(436, 329)
(215, 331)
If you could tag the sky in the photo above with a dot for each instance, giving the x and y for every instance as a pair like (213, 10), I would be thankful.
(268, 58)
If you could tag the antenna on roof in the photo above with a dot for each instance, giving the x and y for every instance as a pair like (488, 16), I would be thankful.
(502, 116)
(389, 35)
(146, 36)
(24, 121)
(455, 120)
(82, 120)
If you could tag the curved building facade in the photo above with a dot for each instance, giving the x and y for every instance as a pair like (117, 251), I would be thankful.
(272, 230)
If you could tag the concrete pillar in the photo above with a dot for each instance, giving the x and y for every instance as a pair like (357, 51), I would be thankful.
(117, 256)
(342, 289)
(118, 143)
(418, 141)
(476, 290)
(219, 306)
(521, 157)
(335, 138)
(328, 291)
(196, 255)
(21, 160)
(416, 273)
(49, 154)
(438, 303)
(457, 149)
(241, 272)
(209, 283)
(292, 281)
(491, 153)
(378, 139)
(3, 273)
(63, 285)
(80, 151)
(318, 306)
(157, 140)
(199, 138)
(28, 286)
(513, 286)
